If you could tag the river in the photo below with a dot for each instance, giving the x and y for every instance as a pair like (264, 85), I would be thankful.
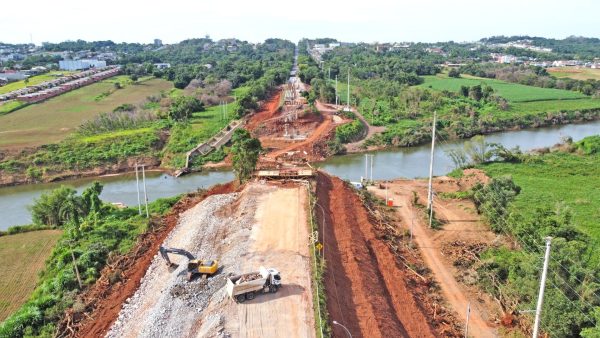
(402, 162)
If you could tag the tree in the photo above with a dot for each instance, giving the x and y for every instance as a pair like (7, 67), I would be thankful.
(464, 91)
(245, 151)
(476, 93)
(183, 107)
(477, 149)
(48, 209)
(454, 73)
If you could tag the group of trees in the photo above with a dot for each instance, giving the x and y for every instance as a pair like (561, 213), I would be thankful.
(93, 232)
(530, 76)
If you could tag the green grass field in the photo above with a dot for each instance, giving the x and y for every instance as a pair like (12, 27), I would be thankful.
(510, 91)
(568, 179)
(34, 80)
(575, 73)
(52, 120)
(22, 257)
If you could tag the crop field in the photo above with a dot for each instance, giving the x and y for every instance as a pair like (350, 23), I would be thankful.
(575, 73)
(22, 257)
(34, 80)
(510, 91)
(551, 182)
(52, 120)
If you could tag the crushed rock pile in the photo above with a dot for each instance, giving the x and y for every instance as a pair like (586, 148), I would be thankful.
(166, 303)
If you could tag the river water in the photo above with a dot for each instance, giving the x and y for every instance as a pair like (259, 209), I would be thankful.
(402, 162)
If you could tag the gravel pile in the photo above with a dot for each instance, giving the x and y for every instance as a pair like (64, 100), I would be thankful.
(166, 304)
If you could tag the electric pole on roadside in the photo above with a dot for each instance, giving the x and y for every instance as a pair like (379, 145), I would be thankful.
(348, 94)
(467, 323)
(145, 193)
(538, 310)
(137, 182)
(430, 189)
(336, 92)
(372, 158)
(366, 167)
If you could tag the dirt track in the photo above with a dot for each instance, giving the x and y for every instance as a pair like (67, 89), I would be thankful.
(280, 240)
(460, 225)
(366, 291)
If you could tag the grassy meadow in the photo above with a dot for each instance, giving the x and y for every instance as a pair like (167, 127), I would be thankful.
(511, 91)
(52, 120)
(22, 257)
(551, 182)
(575, 73)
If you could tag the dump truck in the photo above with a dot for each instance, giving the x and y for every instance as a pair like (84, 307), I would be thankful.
(246, 286)
(195, 266)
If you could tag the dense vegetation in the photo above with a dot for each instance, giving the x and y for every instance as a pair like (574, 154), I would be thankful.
(530, 76)
(401, 89)
(531, 197)
(245, 151)
(94, 232)
(164, 127)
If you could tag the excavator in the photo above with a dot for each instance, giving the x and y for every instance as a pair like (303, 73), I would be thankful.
(195, 267)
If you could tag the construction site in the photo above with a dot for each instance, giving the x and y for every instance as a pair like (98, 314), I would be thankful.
(241, 260)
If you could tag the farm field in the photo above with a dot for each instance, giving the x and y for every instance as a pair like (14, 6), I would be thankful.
(510, 91)
(22, 257)
(34, 80)
(575, 73)
(551, 183)
(52, 120)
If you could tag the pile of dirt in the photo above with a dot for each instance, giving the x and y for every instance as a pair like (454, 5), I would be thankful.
(268, 110)
(368, 289)
(122, 276)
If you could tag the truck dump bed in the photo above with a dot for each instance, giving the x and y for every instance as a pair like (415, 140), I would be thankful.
(248, 282)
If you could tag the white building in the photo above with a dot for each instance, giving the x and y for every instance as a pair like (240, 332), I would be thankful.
(80, 64)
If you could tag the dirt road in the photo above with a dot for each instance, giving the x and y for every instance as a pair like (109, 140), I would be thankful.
(371, 130)
(366, 290)
(279, 239)
(460, 224)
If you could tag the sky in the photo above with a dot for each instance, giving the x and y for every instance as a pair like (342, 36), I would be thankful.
(256, 20)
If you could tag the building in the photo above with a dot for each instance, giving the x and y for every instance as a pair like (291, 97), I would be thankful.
(157, 42)
(81, 64)
(13, 76)
(162, 65)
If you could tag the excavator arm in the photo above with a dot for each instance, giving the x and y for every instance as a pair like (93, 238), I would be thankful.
(165, 251)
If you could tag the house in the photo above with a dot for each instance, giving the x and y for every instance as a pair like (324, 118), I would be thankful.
(162, 65)
(81, 64)
(13, 76)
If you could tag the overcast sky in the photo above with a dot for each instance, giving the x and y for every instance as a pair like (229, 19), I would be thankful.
(255, 20)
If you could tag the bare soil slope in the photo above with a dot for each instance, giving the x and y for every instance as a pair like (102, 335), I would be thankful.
(366, 290)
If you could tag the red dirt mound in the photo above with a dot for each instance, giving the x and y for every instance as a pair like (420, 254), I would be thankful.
(366, 290)
(103, 300)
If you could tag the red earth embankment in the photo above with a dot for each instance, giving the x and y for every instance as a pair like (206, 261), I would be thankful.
(366, 289)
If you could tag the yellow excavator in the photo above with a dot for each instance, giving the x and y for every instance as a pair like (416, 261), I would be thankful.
(195, 267)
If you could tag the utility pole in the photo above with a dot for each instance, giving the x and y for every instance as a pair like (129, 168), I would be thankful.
(336, 92)
(538, 310)
(467, 324)
(137, 182)
(348, 94)
(430, 189)
(366, 167)
(145, 193)
(372, 157)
